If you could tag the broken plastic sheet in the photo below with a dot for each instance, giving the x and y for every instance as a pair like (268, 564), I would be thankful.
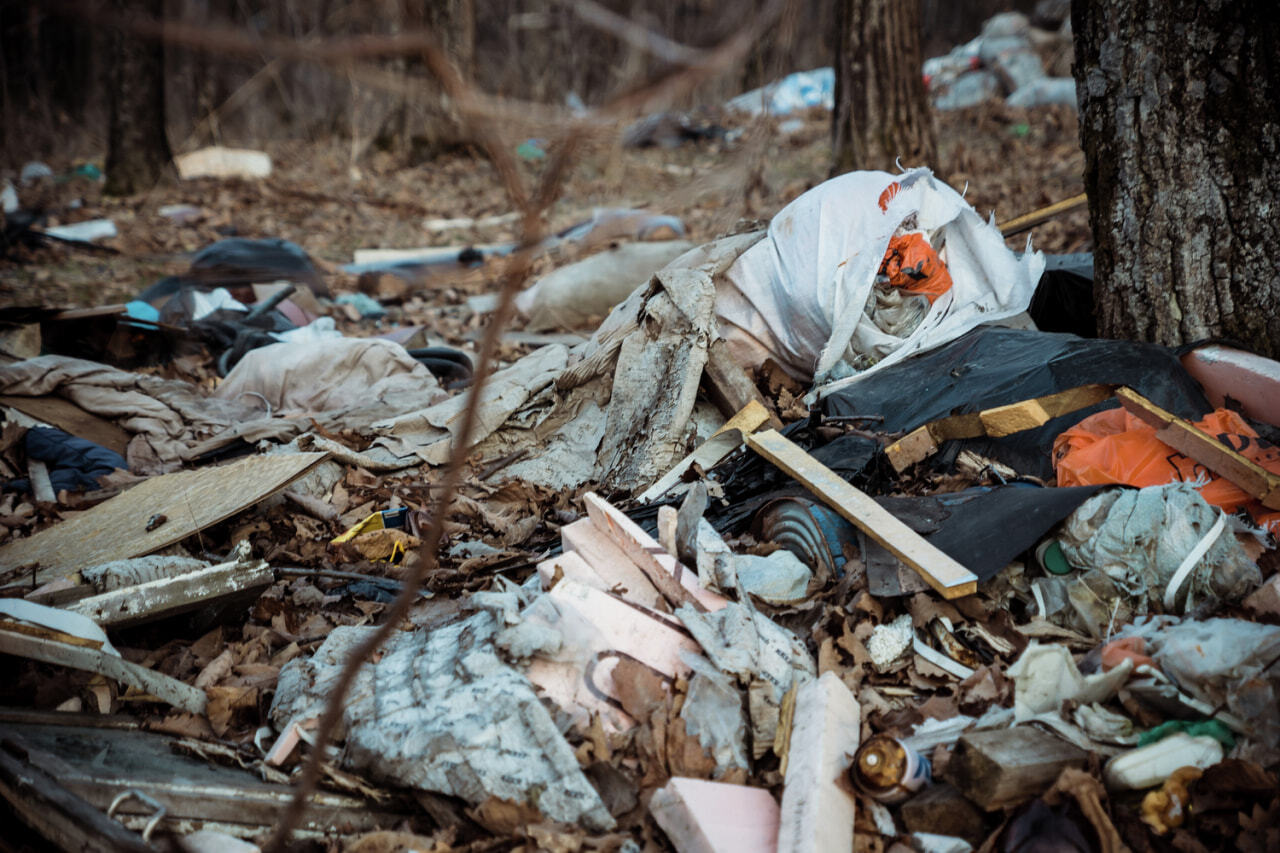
(329, 375)
(765, 657)
(993, 366)
(439, 711)
(799, 295)
(1130, 546)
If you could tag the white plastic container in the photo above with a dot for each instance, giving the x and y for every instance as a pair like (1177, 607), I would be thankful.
(1148, 766)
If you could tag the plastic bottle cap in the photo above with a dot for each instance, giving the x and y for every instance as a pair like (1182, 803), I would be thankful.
(1050, 557)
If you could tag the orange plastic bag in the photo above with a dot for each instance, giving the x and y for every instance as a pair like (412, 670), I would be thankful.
(911, 264)
(1116, 447)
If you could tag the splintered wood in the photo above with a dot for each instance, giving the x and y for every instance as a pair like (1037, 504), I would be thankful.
(173, 505)
(942, 572)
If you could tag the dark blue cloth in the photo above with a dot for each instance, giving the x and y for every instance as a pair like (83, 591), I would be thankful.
(74, 463)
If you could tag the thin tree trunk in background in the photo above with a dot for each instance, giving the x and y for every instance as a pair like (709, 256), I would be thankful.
(1180, 125)
(882, 113)
(137, 147)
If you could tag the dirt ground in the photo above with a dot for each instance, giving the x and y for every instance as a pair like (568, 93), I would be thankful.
(1011, 161)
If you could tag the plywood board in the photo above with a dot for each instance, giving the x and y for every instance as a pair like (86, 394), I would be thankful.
(188, 500)
(942, 572)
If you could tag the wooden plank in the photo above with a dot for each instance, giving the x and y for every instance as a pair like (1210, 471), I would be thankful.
(1030, 220)
(817, 811)
(147, 602)
(189, 501)
(721, 443)
(727, 384)
(610, 562)
(1001, 767)
(70, 418)
(41, 487)
(663, 571)
(1197, 444)
(176, 693)
(943, 573)
(996, 422)
(65, 820)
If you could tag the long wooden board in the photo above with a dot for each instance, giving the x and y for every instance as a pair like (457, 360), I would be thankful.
(147, 602)
(1188, 439)
(941, 572)
(188, 500)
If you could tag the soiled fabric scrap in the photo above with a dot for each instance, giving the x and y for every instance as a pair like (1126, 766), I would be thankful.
(326, 375)
(441, 712)
(1045, 676)
(767, 658)
(165, 416)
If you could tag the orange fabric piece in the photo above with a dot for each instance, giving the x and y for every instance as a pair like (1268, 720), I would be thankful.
(1116, 447)
(913, 265)
(1129, 648)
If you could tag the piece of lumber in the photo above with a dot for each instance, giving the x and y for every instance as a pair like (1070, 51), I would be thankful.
(817, 811)
(943, 573)
(610, 562)
(1002, 767)
(728, 386)
(65, 820)
(677, 584)
(996, 422)
(41, 487)
(570, 566)
(1195, 443)
(1030, 220)
(716, 817)
(721, 443)
(157, 599)
(178, 694)
(70, 418)
(189, 501)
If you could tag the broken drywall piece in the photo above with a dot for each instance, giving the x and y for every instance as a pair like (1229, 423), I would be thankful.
(779, 578)
(219, 162)
(439, 711)
(118, 574)
(713, 713)
(766, 658)
(1046, 676)
(817, 812)
(56, 620)
(715, 817)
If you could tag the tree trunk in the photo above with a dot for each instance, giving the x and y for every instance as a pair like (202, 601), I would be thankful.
(1180, 124)
(882, 114)
(137, 147)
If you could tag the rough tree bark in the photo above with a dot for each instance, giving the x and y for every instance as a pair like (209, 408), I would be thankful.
(1180, 124)
(881, 111)
(137, 148)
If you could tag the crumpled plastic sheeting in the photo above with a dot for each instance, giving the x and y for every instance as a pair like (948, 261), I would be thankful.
(799, 295)
(1131, 542)
(764, 656)
(441, 712)
(165, 416)
(325, 375)
(1229, 663)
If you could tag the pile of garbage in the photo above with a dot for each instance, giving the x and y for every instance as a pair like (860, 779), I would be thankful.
(802, 538)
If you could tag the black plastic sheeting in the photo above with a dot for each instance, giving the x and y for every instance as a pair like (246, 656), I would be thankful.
(239, 262)
(73, 463)
(994, 366)
(1063, 301)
